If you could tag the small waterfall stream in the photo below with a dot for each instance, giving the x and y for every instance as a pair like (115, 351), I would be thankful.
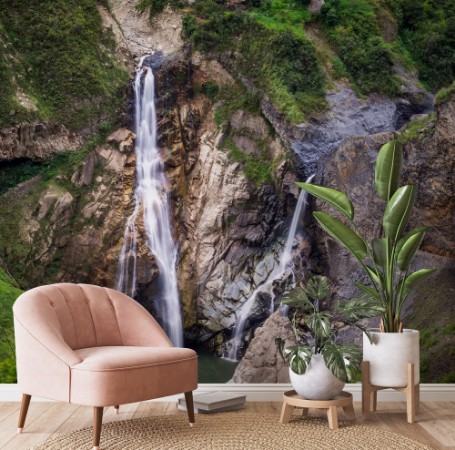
(285, 262)
(151, 197)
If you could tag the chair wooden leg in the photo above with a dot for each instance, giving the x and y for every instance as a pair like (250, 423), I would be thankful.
(190, 407)
(117, 409)
(23, 414)
(97, 421)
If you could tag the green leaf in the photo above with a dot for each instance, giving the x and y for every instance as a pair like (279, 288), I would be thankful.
(360, 308)
(343, 360)
(398, 211)
(335, 198)
(373, 274)
(298, 298)
(381, 250)
(373, 293)
(411, 280)
(343, 234)
(318, 287)
(408, 246)
(319, 324)
(387, 169)
(298, 357)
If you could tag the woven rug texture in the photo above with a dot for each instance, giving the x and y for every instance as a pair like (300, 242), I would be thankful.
(232, 431)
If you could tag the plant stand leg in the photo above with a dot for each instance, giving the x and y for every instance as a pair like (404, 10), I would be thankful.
(374, 401)
(286, 413)
(304, 412)
(332, 417)
(366, 391)
(349, 412)
(417, 398)
(410, 394)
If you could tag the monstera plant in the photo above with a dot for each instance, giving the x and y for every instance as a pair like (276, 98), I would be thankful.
(319, 364)
(386, 260)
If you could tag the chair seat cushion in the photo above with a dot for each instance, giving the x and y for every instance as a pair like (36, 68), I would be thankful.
(113, 375)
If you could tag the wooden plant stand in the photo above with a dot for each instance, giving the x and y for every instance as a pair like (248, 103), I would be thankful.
(292, 400)
(370, 393)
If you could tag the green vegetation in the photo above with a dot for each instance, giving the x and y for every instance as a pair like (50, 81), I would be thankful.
(257, 168)
(445, 94)
(427, 29)
(353, 29)
(280, 60)
(8, 294)
(156, 6)
(418, 129)
(61, 57)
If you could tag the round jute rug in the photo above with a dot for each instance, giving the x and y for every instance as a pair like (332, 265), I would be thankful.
(232, 431)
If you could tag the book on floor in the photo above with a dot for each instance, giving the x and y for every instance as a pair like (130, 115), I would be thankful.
(214, 402)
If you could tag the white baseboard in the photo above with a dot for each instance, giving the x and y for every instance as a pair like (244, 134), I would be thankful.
(274, 392)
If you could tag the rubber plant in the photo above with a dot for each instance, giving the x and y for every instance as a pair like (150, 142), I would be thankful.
(314, 330)
(387, 259)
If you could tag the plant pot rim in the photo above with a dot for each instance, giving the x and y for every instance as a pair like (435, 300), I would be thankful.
(378, 331)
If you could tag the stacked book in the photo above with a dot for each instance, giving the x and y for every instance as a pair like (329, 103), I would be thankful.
(212, 402)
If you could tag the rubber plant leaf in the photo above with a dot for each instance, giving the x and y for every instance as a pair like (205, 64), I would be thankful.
(337, 199)
(398, 211)
(388, 169)
(298, 357)
(411, 280)
(360, 308)
(343, 234)
(342, 360)
(373, 293)
(408, 246)
(381, 250)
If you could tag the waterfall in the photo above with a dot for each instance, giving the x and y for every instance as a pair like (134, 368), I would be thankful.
(151, 197)
(285, 261)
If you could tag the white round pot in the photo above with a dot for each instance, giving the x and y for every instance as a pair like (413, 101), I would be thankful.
(317, 383)
(389, 356)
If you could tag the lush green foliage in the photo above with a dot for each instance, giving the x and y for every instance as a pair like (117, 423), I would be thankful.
(8, 294)
(64, 58)
(281, 61)
(427, 28)
(352, 28)
(391, 255)
(156, 6)
(11, 174)
(314, 330)
(445, 94)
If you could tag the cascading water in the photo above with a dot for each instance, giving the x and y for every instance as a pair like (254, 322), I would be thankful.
(150, 195)
(267, 286)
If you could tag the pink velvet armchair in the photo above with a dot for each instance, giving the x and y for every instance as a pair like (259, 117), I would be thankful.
(95, 346)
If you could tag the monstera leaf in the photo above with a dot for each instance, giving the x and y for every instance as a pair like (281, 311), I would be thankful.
(298, 357)
(343, 360)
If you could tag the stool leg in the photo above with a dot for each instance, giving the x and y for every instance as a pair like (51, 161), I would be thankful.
(286, 412)
(332, 417)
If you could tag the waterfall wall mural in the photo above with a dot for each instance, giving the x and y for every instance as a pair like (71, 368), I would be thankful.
(158, 154)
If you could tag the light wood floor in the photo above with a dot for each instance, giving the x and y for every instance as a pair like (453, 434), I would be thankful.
(435, 423)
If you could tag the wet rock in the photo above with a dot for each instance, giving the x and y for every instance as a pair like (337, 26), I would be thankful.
(262, 362)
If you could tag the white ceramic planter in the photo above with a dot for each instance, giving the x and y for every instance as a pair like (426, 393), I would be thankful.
(317, 383)
(389, 357)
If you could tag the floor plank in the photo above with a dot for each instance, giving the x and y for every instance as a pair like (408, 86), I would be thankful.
(435, 424)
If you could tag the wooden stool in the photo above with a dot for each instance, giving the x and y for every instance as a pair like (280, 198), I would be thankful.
(370, 392)
(292, 400)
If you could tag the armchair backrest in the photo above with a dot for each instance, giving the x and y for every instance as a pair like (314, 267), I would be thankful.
(85, 316)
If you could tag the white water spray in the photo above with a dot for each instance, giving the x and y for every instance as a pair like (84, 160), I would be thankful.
(267, 286)
(150, 195)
